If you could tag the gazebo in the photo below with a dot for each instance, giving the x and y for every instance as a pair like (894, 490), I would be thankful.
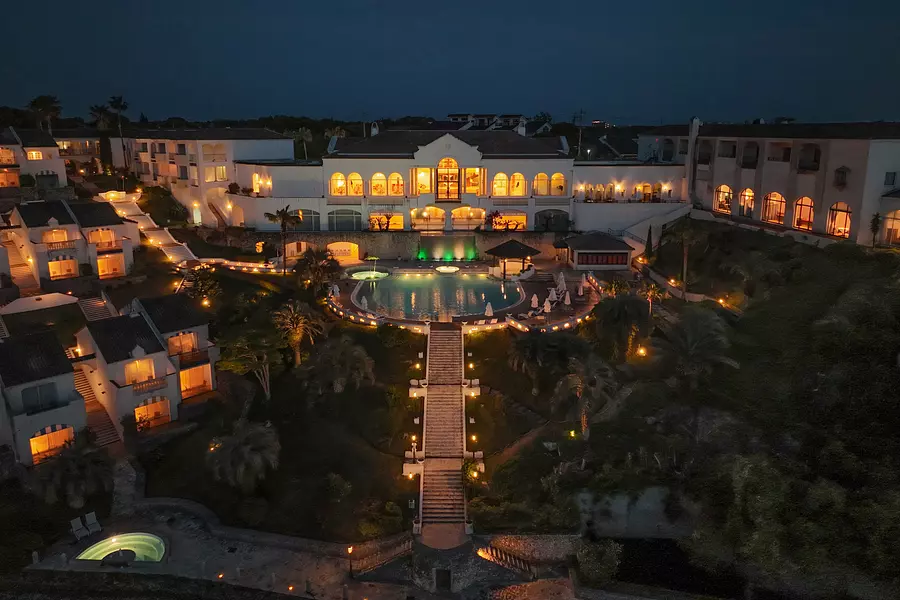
(512, 250)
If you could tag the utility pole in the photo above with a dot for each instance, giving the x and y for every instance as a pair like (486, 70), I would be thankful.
(578, 119)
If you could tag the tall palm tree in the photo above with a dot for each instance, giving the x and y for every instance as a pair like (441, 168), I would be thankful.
(252, 351)
(339, 363)
(285, 218)
(652, 292)
(588, 386)
(45, 108)
(619, 321)
(243, 458)
(78, 471)
(297, 322)
(526, 354)
(118, 105)
(100, 115)
(303, 135)
(688, 234)
(318, 267)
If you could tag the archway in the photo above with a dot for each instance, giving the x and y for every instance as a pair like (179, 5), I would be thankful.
(346, 253)
(723, 199)
(773, 208)
(551, 219)
(891, 229)
(746, 203)
(467, 218)
(839, 220)
(430, 218)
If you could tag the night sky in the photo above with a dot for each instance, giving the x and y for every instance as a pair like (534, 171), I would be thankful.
(627, 61)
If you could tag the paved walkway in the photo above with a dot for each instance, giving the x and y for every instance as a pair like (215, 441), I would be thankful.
(20, 271)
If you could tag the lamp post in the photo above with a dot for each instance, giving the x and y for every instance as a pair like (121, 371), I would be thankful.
(350, 558)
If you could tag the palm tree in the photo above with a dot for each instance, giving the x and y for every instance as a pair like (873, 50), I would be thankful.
(100, 115)
(285, 218)
(652, 292)
(526, 354)
(254, 351)
(78, 471)
(619, 320)
(339, 363)
(617, 287)
(687, 234)
(296, 321)
(45, 108)
(589, 383)
(243, 458)
(317, 267)
(303, 135)
(118, 105)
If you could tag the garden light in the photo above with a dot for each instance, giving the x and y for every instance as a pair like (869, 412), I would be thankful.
(471, 365)
(474, 438)
(474, 474)
(641, 351)
(571, 433)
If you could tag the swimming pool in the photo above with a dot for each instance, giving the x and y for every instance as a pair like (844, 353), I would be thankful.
(146, 547)
(436, 297)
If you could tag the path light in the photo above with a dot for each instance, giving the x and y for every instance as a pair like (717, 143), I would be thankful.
(290, 588)
(409, 476)
(641, 351)
(474, 474)
(220, 575)
(571, 433)
(474, 438)
(671, 282)
(471, 365)
(722, 301)
(418, 365)
(205, 302)
(412, 437)
(350, 558)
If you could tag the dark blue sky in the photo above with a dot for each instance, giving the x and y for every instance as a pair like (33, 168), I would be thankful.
(626, 61)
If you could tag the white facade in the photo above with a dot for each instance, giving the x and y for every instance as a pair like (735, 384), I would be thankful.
(34, 153)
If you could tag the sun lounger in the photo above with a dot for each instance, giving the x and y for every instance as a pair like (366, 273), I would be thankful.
(481, 322)
(93, 525)
(492, 322)
(78, 529)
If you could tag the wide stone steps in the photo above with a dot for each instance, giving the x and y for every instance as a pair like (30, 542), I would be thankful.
(98, 420)
(443, 497)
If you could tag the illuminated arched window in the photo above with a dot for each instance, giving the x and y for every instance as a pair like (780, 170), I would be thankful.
(517, 185)
(354, 184)
(803, 214)
(395, 184)
(558, 185)
(379, 184)
(448, 179)
(773, 208)
(723, 197)
(500, 186)
(839, 220)
(541, 185)
(338, 185)
(746, 203)
(891, 229)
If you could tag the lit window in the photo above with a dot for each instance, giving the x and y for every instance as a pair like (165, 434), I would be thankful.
(395, 184)
(473, 181)
(35, 155)
(773, 208)
(338, 185)
(61, 269)
(891, 228)
(541, 185)
(510, 221)
(839, 220)
(517, 185)
(181, 343)
(44, 445)
(153, 412)
(803, 214)
(558, 185)
(448, 179)
(723, 199)
(54, 235)
(746, 203)
(139, 370)
(379, 184)
(221, 173)
(354, 185)
(256, 180)
(423, 181)
(500, 186)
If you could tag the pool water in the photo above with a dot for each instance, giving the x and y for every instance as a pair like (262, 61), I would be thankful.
(436, 297)
(146, 547)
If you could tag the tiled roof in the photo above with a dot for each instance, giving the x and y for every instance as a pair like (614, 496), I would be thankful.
(599, 242)
(213, 134)
(878, 130)
(174, 312)
(7, 138)
(117, 337)
(491, 144)
(35, 138)
(513, 249)
(32, 357)
(36, 214)
(95, 214)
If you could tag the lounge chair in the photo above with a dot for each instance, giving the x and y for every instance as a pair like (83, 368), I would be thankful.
(78, 529)
(481, 322)
(93, 525)
(492, 322)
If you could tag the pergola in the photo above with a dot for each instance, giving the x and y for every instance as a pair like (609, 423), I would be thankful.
(512, 250)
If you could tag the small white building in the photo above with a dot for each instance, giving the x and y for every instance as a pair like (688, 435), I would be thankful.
(598, 252)
(30, 152)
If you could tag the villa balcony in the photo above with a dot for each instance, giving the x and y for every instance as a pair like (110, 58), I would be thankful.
(552, 201)
(355, 200)
(192, 358)
(518, 201)
(79, 151)
(466, 223)
(109, 246)
(192, 158)
(65, 245)
(151, 385)
(196, 390)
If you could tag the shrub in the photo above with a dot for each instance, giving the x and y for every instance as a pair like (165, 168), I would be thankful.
(598, 562)
(26, 181)
(233, 188)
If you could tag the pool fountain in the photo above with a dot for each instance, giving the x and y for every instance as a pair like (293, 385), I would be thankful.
(447, 269)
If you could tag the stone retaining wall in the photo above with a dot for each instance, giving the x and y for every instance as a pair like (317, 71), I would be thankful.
(537, 548)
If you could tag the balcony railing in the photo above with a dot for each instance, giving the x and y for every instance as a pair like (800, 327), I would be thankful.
(74, 151)
(108, 246)
(65, 245)
(193, 357)
(196, 390)
(151, 385)
(214, 158)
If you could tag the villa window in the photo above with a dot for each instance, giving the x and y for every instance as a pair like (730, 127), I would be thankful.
(517, 185)
(62, 269)
(500, 186)
(727, 149)
(181, 343)
(221, 173)
(704, 152)
(891, 229)
(7, 157)
(839, 220)
(803, 214)
(379, 184)
(354, 184)
(45, 444)
(890, 178)
(395, 184)
(195, 380)
(423, 181)
(511, 221)
(344, 220)
(773, 208)
(338, 186)
(668, 150)
(473, 181)
(723, 199)
(104, 237)
(210, 174)
(682, 147)
(35, 155)
(558, 185)
(39, 398)
(54, 235)
(139, 370)
(746, 203)
(256, 182)
(541, 186)
(110, 265)
(152, 412)
(385, 221)
(448, 179)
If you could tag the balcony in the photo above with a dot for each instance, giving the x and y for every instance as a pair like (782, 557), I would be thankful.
(66, 245)
(519, 201)
(193, 358)
(196, 390)
(551, 201)
(463, 223)
(214, 157)
(109, 246)
(79, 151)
(151, 385)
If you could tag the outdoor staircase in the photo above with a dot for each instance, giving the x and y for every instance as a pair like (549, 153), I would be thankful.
(4, 332)
(444, 356)
(95, 309)
(443, 498)
(177, 252)
(20, 271)
(98, 420)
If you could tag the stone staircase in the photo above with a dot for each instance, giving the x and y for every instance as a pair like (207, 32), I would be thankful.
(444, 422)
(4, 332)
(95, 309)
(444, 356)
(177, 252)
(20, 271)
(98, 420)
(443, 498)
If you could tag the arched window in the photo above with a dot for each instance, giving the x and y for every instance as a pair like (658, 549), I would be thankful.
(773, 208)
(541, 186)
(500, 186)
(517, 185)
(344, 219)
(558, 185)
(379, 184)
(395, 184)
(354, 185)
(338, 185)
(722, 202)
(746, 203)
(839, 220)
(256, 182)
(646, 192)
(891, 229)
(803, 214)
(312, 220)
(610, 193)
(657, 192)
(448, 179)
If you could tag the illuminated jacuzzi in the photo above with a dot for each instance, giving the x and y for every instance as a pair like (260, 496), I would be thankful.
(145, 546)
(368, 275)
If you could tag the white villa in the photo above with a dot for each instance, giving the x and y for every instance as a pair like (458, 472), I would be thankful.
(30, 152)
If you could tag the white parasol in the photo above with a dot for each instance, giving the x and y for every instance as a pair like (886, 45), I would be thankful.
(553, 297)
(535, 302)
(567, 300)
(547, 306)
(580, 290)
(489, 310)
(363, 303)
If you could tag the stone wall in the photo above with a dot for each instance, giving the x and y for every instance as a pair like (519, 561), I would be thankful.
(537, 548)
